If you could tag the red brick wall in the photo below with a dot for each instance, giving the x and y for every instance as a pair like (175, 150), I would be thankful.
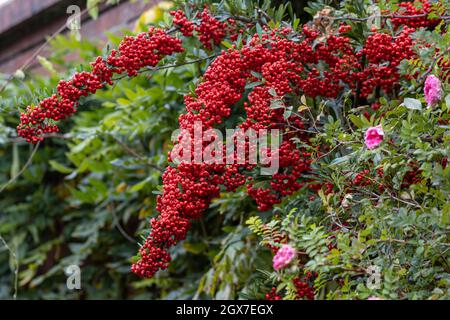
(14, 13)
(25, 24)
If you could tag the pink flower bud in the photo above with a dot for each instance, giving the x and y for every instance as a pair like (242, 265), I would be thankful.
(283, 257)
(433, 90)
(374, 136)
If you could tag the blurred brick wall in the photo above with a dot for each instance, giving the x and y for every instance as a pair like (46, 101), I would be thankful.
(25, 24)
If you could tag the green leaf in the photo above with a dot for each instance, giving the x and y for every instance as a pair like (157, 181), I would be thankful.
(287, 114)
(295, 24)
(340, 160)
(140, 185)
(46, 64)
(447, 101)
(108, 104)
(82, 145)
(253, 84)
(92, 6)
(123, 101)
(412, 104)
(259, 30)
(15, 166)
(276, 104)
(195, 248)
(356, 121)
(59, 167)
(227, 44)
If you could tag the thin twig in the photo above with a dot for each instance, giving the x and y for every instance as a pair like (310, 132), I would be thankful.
(134, 153)
(16, 267)
(168, 66)
(388, 16)
(119, 226)
(65, 136)
(27, 164)
(412, 243)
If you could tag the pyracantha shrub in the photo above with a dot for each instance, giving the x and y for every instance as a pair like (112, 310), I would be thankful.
(286, 69)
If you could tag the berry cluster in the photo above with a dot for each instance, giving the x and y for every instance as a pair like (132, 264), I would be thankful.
(412, 176)
(210, 31)
(383, 54)
(144, 50)
(361, 178)
(33, 125)
(415, 15)
(272, 295)
(444, 162)
(305, 286)
(135, 53)
(189, 188)
(179, 19)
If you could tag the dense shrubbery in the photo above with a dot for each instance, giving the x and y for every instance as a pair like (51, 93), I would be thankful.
(358, 210)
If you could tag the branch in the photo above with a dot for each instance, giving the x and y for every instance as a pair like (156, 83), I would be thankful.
(16, 263)
(66, 136)
(388, 16)
(27, 164)
(118, 225)
(134, 153)
(168, 66)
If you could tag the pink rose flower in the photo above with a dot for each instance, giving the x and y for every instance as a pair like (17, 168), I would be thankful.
(283, 257)
(433, 90)
(374, 298)
(374, 136)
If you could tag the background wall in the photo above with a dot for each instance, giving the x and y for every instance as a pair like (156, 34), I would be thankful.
(25, 25)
